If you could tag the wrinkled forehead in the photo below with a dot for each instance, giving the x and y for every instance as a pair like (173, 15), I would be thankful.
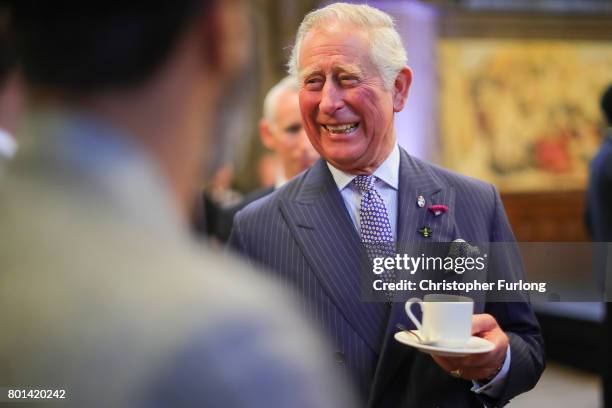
(340, 47)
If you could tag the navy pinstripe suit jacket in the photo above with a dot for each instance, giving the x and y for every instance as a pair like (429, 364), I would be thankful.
(304, 235)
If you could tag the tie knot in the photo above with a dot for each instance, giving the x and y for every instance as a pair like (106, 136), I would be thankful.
(364, 183)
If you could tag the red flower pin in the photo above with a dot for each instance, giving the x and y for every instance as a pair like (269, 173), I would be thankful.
(438, 209)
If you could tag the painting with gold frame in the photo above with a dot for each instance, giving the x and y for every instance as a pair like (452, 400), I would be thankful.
(522, 114)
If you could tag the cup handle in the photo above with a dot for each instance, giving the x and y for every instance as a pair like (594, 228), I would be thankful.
(412, 317)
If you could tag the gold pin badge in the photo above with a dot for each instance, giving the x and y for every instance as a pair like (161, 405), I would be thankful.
(426, 232)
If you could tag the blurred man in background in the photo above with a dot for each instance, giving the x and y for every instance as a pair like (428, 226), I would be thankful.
(282, 132)
(102, 293)
(599, 223)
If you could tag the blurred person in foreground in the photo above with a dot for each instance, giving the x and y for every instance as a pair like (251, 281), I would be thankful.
(282, 132)
(315, 232)
(599, 223)
(102, 292)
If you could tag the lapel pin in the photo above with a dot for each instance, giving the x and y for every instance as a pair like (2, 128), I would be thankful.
(438, 209)
(421, 201)
(426, 232)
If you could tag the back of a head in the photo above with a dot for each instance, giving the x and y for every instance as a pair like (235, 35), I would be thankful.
(386, 50)
(606, 104)
(271, 98)
(83, 47)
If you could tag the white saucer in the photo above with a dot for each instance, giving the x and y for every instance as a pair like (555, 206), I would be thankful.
(475, 345)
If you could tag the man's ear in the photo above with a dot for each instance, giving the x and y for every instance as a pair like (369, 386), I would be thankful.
(401, 86)
(265, 134)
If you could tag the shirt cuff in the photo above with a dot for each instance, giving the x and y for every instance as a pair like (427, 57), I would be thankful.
(493, 388)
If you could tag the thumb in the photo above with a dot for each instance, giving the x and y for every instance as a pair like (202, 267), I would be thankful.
(483, 323)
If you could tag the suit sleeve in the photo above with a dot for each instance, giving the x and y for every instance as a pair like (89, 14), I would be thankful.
(515, 316)
(236, 241)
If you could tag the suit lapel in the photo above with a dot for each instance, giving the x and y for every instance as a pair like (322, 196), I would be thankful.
(417, 180)
(330, 243)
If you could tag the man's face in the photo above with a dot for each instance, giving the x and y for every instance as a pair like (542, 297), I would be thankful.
(287, 136)
(347, 112)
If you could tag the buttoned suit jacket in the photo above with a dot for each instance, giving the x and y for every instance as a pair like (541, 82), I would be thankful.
(304, 235)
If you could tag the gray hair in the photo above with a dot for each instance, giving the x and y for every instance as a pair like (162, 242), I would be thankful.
(271, 99)
(386, 48)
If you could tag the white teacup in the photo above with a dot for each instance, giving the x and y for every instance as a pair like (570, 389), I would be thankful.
(447, 319)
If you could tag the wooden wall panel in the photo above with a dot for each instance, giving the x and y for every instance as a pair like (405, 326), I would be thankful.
(547, 217)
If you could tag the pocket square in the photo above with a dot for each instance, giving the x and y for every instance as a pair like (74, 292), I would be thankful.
(459, 248)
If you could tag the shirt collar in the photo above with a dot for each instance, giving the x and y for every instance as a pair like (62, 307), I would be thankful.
(281, 180)
(388, 171)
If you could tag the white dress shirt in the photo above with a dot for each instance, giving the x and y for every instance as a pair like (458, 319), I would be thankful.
(387, 185)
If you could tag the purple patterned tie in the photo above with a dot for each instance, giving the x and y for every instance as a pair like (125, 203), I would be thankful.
(376, 233)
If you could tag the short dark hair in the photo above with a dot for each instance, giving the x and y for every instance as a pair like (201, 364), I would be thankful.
(606, 104)
(88, 45)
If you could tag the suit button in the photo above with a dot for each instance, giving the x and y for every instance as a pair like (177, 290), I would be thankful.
(339, 357)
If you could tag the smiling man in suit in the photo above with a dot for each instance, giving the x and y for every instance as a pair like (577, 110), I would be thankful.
(313, 233)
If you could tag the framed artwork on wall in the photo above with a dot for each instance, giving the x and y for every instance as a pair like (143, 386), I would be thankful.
(522, 113)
